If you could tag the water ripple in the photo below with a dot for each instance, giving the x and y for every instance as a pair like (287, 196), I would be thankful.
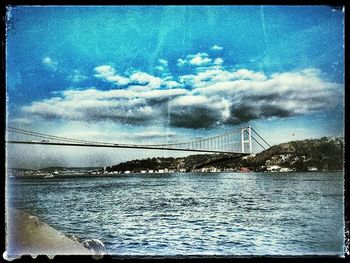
(194, 214)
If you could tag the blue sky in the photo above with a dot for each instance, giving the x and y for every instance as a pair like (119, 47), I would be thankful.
(149, 74)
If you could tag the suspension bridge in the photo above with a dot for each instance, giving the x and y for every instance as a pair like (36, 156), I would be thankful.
(239, 142)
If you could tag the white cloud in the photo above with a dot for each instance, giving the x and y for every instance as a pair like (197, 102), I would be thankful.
(189, 100)
(213, 96)
(163, 65)
(199, 79)
(77, 76)
(139, 80)
(218, 75)
(50, 63)
(218, 61)
(170, 84)
(281, 95)
(163, 62)
(199, 59)
(126, 105)
(181, 62)
(164, 93)
(105, 70)
(216, 47)
(145, 79)
(108, 74)
(248, 74)
(47, 60)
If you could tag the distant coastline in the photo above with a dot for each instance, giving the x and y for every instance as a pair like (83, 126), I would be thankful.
(324, 154)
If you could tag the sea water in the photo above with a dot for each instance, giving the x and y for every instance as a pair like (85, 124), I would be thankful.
(193, 213)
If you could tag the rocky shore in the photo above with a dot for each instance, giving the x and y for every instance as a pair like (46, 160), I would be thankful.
(28, 235)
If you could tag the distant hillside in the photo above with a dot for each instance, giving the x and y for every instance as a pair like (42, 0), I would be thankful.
(323, 154)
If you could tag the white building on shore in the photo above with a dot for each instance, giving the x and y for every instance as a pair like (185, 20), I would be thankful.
(274, 168)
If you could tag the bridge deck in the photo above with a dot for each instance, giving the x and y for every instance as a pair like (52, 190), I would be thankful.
(125, 146)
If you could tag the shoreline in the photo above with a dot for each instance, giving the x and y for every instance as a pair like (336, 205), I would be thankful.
(62, 176)
(28, 235)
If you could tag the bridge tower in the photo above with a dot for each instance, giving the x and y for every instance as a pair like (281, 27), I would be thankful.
(249, 141)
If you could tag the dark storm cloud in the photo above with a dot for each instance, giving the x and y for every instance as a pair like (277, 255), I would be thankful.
(241, 113)
(194, 117)
(267, 111)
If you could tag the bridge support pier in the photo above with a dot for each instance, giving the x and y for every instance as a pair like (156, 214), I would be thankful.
(242, 139)
(249, 141)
